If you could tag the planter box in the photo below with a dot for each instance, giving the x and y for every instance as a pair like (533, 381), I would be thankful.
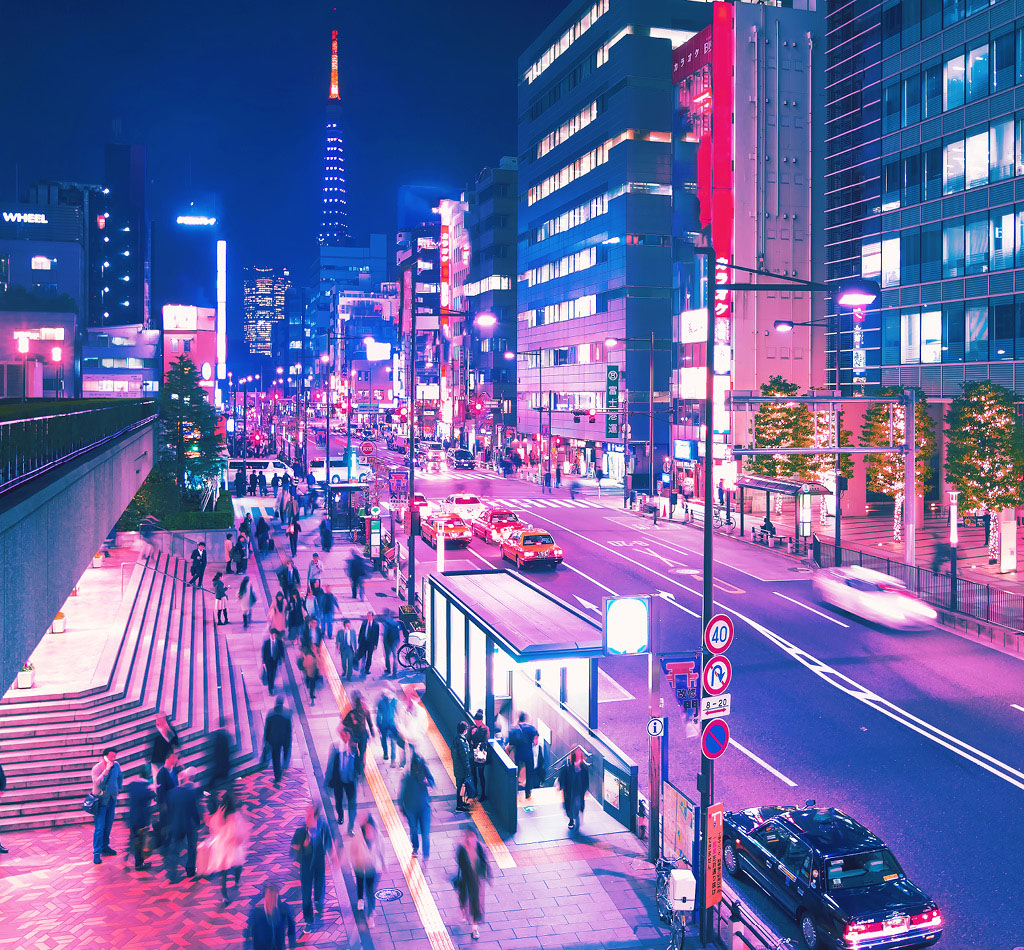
(97, 560)
(59, 624)
(26, 679)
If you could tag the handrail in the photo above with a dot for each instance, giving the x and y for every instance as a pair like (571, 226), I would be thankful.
(34, 446)
(556, 766)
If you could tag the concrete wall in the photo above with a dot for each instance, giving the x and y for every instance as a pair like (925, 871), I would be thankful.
(49, 531)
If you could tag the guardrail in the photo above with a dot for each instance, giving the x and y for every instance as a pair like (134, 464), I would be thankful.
(34, 445)
(974, 599)
(737, 928)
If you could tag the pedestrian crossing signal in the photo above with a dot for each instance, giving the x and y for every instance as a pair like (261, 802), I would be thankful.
(592, 416)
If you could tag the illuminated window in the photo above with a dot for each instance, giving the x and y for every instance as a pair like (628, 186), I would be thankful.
(565, 41)
(565, 131)
(586, 163)
(570, 264)
(41, 262)
(570, 219)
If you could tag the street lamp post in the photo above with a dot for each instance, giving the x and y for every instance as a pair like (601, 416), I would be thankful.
(245, 423)
(954, 539)
(23, 350)
(545, 478)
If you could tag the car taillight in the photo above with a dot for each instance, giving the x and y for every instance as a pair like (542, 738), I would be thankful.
(855, 932)
(558, 552)
(529, 553)
(931, 918)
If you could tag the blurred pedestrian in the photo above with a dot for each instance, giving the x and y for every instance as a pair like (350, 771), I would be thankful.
(523, 740)
(311, 671)
(165, 782)
(288, 577)
(461, 760)
(369, 637)
(277, 620)
(228, 546)
(472, 870)
(262, 534)
(270, 921)
(275, 484)
(367, 863)
(347, 648)
(341, 777)
(277, 737)
(140, 796)
(247, 598)
(293, 535)
(389, 737)
(411, 720)
(164, 741)
(314, 572)
(356, 573)
(391, 635)
(328, 605)
(220, 598)
(261, 482)
(272, 655)
(184, 816)
(360, 726)
(574, 781)
(296, 616)
(414, 800)
(326, 538)
(229, 841)
(218, 771)
(479, 747)
(198, 567)
(311, 844)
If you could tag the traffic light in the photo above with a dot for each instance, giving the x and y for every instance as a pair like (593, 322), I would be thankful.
(558, 440)
(592, 415)
(577, 417)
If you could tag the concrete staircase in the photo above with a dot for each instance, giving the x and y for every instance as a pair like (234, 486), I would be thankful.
(172, 658)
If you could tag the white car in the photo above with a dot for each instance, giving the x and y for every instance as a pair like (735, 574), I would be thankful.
(872, 596)
(468, 507)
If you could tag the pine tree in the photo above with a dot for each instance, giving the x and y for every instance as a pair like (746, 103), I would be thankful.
(885, 471)
(781, 425)
(190, 446)
(984, 458)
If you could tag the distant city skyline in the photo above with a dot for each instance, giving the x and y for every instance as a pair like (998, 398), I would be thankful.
(263, 293)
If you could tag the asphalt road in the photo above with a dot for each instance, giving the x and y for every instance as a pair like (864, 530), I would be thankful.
(917, 735)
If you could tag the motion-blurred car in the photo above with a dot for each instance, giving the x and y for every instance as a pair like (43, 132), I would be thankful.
(460, 458)
(493, 524)
(432, 460)
(531, 546)
(456, 531)
(872, 596)
(467, 506)
(841, 884)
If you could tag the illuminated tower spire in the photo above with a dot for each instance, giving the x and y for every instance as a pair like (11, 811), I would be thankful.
(333, 208)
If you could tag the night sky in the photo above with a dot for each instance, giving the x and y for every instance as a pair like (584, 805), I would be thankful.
(228, 99)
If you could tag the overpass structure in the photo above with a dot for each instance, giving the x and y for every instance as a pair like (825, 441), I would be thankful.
(68, 469)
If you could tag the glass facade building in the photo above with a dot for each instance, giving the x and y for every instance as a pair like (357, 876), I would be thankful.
(263, 308)
(925, 191)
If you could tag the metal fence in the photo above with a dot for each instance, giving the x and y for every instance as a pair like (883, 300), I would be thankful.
(33, 445)
(980, 601)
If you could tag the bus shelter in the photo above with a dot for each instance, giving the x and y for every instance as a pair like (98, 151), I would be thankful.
(802, 493)
(499, 643)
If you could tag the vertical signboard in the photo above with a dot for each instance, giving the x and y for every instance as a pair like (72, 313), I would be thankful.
(713, 856)
(611, 401)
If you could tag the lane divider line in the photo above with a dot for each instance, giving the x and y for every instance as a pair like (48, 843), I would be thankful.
(799, 603)
(495, 844)
(426, 906)
(756, 758)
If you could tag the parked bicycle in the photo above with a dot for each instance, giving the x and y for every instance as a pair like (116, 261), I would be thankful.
(720, 517)
(663, 898)
(412, 654)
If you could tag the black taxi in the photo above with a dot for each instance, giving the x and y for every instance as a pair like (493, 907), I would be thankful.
(837, 880)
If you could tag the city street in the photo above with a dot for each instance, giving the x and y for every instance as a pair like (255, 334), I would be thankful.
(917, 735)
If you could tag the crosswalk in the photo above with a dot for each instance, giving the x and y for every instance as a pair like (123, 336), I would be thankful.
(547, 503)
(456, 474)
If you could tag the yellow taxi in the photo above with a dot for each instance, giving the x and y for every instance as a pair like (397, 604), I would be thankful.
(531, 546)
(456, 531)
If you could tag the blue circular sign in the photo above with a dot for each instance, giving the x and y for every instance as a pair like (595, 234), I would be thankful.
(715, 738)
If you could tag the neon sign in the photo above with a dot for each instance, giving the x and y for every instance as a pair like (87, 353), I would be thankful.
(196, 220)
(25, 217)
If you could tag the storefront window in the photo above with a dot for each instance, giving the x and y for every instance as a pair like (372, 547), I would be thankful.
(440, 658)
(976, 320)
(477, 667)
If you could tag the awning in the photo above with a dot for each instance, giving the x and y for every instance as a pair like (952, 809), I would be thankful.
(781, 486)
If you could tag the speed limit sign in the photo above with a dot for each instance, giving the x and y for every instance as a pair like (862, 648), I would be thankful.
(718, 634)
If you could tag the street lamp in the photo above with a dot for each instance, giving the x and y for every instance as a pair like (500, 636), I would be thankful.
(23, 350)
(55, 356)
(954, 539)
(325, 359)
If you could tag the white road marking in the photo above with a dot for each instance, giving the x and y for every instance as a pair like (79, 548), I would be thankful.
(812, 610)
(586, 603)
(864, 695)
(576, 570)
(1015, 706)
(762, 763)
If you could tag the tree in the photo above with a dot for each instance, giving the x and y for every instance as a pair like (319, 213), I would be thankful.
(822, 468)
(885, 471)
(781, 425)
(984, 458)
(190, 445)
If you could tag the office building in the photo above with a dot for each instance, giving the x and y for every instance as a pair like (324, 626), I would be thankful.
(121, 362)
(41, 253)
(595, 226)
(749, 143)
(490, 288)
(37, 354)
(350, 268)
(333, 211)
(193, 332)
(263, 309)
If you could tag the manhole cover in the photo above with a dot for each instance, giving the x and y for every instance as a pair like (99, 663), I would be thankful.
(388, 894)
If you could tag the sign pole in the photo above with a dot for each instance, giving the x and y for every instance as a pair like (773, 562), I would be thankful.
(654, 760)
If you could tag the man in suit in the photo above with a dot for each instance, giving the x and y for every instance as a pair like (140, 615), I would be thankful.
(288, 577)
(369, 637)
(277, 735)
(183, 820)
(273, 655)
(341, 777)
(140, 816)
(166, 782)
(198, 568)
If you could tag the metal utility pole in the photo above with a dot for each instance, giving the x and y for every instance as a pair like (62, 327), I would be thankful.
(659, 744)
(706, 781)
(839, 498)
(245, 419)
(411, 375)
(650, 423)
(327, 442)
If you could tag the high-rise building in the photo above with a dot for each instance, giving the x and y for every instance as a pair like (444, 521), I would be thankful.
(749, 149)
(333, 211)
(350, 268)
(595, 227)
(263, 308)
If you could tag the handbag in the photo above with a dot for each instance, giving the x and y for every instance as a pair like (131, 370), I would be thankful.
(91, 804)
(480, 755)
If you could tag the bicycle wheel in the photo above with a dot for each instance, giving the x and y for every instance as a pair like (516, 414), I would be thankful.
(661, 899)
(678, 932)
(406, 655)
(421, 662)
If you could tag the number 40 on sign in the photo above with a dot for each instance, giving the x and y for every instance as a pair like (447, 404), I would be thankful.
(718, 634)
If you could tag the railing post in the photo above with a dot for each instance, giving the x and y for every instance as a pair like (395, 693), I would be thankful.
(988, 601)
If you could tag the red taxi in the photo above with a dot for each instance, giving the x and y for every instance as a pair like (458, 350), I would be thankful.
(456, 531)
(495, 523)
(531, 546)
